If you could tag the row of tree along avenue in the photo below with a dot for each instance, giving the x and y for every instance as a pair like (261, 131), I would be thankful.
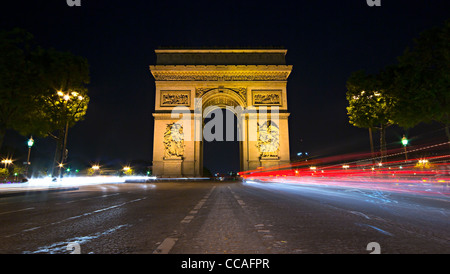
(42, 91)
(414, 90)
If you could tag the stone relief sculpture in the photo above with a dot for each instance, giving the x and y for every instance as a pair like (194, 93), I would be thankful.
(175, 98)
(173, 141)
(267, 98)
(268, 139)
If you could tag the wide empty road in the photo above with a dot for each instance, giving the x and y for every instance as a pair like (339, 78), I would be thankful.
(223, 217)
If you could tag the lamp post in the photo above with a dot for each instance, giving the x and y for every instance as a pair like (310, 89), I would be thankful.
(95, 168)
(405, 142)
(6, 162)
(30, 143)
(65, 98)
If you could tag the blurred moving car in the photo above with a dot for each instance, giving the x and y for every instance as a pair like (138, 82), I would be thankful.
(231, 176)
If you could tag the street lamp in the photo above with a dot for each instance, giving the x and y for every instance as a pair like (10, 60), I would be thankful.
(6, 162)
(95, 168)
(30, 143)
(65, 98)
(405, 142)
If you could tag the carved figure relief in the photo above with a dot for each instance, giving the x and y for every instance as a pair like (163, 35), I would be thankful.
(175, 98)
(173, 141)
(267, 98)
(268, 139)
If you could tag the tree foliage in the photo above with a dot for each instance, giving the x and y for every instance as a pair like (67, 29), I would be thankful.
(63, 98)
(422, 80)
(370, 103)
(415, 90)
(41, 91)
(19, 76)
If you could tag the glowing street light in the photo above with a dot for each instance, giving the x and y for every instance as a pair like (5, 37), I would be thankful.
(66, 98)
(405, 142)
(95, 169)
(30, 143)
(7, 162)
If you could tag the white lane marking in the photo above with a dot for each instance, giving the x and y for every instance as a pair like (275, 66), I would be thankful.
(85, 199)
(187, 219)
(238, 199)
(165, 246)
(197, 207)
(77, 216)
(98, 210)
(169, 242)
(360, 214)
(240, 202)
(376, 228)
(60, 247)
(20, 210)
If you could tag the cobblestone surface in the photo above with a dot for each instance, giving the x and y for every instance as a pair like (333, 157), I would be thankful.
(224, 227)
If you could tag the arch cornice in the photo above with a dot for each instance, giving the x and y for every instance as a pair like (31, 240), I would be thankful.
(221, 72)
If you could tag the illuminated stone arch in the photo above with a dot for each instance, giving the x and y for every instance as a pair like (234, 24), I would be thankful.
(248, 82)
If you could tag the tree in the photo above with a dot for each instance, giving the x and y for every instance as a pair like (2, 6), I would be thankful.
(42, 92)
(19, 79)
(64, 100)
(370, 104)
(422, 82)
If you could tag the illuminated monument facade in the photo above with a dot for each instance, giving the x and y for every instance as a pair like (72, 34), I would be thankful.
(192, 83)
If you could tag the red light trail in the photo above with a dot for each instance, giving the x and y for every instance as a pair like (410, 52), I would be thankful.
(424, 175)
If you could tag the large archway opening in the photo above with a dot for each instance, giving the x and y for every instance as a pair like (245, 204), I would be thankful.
(222, 155)
(222, 136)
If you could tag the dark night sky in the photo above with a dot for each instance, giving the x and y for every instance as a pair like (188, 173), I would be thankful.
(326, 41)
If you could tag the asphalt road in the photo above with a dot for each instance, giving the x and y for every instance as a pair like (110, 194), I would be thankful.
(223, 217)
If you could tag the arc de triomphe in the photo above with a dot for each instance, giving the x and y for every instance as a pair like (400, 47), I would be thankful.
(191, 83)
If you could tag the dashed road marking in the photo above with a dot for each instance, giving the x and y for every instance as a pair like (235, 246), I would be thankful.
(165, 246)
(238, 199)
(169, 242)
(187, 219)
(19, 210)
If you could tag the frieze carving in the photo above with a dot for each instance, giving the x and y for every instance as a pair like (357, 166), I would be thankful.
(241, 91)
(268, 142)
(175, 98)
(173, 141)
(219, 76)
(267, 98)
